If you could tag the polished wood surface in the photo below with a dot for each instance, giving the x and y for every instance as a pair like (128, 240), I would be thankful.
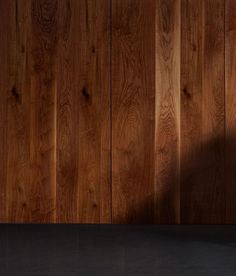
(117, 111)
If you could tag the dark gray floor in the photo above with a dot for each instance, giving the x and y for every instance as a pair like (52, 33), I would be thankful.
(64, 250)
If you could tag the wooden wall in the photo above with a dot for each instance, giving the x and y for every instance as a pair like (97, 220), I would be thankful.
(118, 111)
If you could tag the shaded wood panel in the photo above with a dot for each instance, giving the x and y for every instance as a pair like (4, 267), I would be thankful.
(5, 15)
(230, 108)
(167, 113)
(133, 108)
(203, 112)
(192, 28)
(83, 113)
(210, 194)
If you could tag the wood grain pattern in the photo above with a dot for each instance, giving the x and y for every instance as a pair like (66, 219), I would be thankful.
(191, 104)
(5, 15)
(30, 112)
(83, 175)
(167, 111)
(117, 111)
(18, 110)
(43, 111)
(94, 111)
(67, 115)
(211, 196)
(203, 189)
(133, 69)
(230, 108)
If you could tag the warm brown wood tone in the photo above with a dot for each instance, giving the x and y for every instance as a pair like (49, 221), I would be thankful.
(44, 16)
(167, 111)
(83, 112)
(118, 111)
(94, 111)
(211, 195)
(191, 102)
(202, 116)
(133, 72)
(55, 111)
(230, 105)
(67, 115)
(5, 15)
(31, 111)
(18, 114)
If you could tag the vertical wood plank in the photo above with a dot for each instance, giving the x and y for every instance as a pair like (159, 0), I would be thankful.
(18, 109)
(167, 130)
(203, 187)
(67, 114)
(210, 196)
(133, 106)
(83, 125)
(43, 110)
(191, 105)
(6, 12)
(93, 82)
(230, 105)
(31, 112)
(94, 111)
(103, 79)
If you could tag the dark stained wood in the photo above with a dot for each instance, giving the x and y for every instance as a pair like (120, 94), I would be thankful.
(191, 104)
(5, 15)
(83, 111)
(67, 115)
(203, 186)
(103, 74)
(230, 108)
(43, 110)
(211, 191)
(18, 113)
(118, 111)
(133, 80)
(31, 111)
(167, 111)
(93, 86)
